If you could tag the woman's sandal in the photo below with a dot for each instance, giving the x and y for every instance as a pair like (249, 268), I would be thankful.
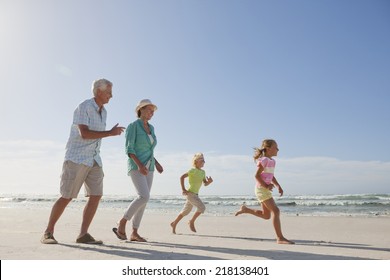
(137, 239)
(121, 236)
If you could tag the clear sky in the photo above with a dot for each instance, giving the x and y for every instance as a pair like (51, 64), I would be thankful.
(314, 75)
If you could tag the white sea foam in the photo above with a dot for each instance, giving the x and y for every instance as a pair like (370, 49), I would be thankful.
(329, 205)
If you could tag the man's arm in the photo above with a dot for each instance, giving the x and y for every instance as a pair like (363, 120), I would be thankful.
(86, 133)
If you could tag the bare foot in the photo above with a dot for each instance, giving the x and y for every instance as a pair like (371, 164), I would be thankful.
(242, 210)
(192, 226)
(173, 225)
(284, 241)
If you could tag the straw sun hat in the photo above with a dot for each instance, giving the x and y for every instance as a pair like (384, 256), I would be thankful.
(143, 103)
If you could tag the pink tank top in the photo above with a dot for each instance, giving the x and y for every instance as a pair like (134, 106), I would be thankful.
(269, 166)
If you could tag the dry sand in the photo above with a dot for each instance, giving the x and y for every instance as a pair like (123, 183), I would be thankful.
(218, 238)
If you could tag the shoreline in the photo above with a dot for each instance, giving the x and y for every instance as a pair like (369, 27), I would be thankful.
(359, 205)
(218, 238)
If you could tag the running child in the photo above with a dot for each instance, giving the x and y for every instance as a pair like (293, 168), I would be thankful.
(196, 176)
(266, 181)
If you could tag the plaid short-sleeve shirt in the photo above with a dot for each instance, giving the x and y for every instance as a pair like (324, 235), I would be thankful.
(86, 151)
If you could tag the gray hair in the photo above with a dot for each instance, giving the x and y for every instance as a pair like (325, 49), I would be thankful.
(100, 84)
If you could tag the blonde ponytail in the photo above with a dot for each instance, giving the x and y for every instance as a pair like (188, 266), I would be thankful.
(260, 152)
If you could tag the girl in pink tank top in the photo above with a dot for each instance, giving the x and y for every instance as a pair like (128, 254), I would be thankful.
(265, 182)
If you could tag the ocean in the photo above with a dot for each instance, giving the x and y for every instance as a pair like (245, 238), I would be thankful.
(295, 205)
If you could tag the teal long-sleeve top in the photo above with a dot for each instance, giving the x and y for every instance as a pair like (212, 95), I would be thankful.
(139, 144)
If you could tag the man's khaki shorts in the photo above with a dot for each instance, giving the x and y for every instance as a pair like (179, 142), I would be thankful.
(75, 175)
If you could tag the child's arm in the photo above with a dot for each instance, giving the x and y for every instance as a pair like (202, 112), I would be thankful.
(276, 183)
(185, 175)
(260, 180)
(207, 181)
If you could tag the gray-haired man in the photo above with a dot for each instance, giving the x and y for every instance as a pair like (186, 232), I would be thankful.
(82, 164)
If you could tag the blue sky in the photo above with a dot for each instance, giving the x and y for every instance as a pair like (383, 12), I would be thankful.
(314, 75)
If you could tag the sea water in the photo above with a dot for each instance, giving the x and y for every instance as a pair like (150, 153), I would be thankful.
(297, 205)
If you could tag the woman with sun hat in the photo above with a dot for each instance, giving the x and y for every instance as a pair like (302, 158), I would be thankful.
(140, 144)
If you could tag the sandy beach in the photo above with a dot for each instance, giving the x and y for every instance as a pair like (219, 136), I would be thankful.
(217, 238)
